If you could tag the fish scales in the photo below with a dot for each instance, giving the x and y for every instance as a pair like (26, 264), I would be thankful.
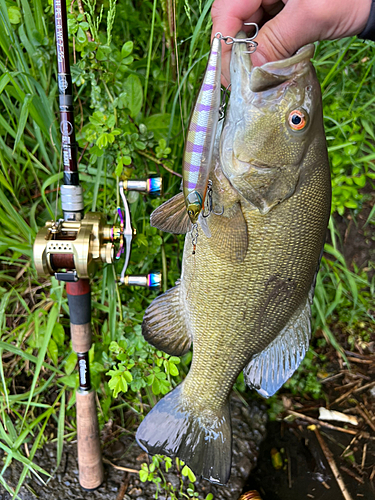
(225, 282)
(244, 298)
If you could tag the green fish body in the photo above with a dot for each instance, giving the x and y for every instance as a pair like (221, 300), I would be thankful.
(244, 298)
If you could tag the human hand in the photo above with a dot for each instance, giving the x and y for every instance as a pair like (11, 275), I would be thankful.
(287, 25)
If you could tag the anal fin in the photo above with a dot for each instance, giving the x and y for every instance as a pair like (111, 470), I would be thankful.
(271, 368)
(172, 216)
(164, 326)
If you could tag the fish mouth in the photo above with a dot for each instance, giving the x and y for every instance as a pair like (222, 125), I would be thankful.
(247, 79)
(275, 73)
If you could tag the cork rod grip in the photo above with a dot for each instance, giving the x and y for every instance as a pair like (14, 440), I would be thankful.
(91, 473)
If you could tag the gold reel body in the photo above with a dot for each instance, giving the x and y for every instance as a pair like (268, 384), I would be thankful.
(84, 244)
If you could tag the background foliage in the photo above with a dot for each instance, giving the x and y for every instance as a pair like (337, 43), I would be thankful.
(133, 100)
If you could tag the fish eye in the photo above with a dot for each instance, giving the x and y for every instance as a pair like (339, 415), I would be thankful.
(297, 119)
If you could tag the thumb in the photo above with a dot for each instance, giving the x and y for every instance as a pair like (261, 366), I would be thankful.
(287, 32)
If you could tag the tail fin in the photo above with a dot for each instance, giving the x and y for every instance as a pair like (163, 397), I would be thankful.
(203, 441)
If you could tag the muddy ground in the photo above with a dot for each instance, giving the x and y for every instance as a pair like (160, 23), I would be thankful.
(249, 429)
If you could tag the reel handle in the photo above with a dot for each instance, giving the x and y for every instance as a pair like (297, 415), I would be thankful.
(124, 233)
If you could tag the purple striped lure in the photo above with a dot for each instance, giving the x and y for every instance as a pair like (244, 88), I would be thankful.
(201, 135)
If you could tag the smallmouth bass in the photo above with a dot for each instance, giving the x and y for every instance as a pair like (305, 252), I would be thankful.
(244, 298)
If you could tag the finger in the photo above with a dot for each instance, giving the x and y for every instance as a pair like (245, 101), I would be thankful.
(287, 32)
(228, 19)
(227, 49)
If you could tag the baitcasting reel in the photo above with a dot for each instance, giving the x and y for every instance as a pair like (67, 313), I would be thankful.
(72, 249)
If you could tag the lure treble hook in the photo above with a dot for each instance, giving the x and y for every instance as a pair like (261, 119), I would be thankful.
(230, 40)
(209, 203)
(223, 102)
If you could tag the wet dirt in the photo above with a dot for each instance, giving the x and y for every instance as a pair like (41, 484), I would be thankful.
(357, 234)
(249, 426)
(304, 472)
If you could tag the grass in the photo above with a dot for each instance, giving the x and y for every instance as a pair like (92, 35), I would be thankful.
(133, 102)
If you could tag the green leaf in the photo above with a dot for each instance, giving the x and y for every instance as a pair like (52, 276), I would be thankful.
(159, 124)
(133, 95)
(97, 118)
(102, 140)
(14, 14)
(164, 386)
(53, 351)
(173, 370)
(81, 35)
(4, 80)
(143, 475)
(103, 52)
(127, 60)
(117, 383)
(70, 363)
(127, 49)
(360, 181)
(174, 359)
(58, 334)
(60, 430)
(186, 471)
(23, 119)
(140, 145)
(70, 380)
(5, 183)
(156, 388)
(118, 169)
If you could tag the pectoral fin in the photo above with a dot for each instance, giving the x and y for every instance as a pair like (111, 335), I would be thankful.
(164, 326)
(172, 216)
(272, 367)
(229, 235)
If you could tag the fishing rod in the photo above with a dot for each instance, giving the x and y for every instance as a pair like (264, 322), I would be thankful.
(71, 248)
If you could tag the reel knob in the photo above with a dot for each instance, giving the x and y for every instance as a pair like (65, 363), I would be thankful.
(151, 186)
(152, 280)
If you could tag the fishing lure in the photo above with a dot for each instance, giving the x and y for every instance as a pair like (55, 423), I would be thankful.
(202, 127)
(182, 212)
(201, 135)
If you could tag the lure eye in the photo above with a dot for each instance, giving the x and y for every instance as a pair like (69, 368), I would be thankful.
(297, 120)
